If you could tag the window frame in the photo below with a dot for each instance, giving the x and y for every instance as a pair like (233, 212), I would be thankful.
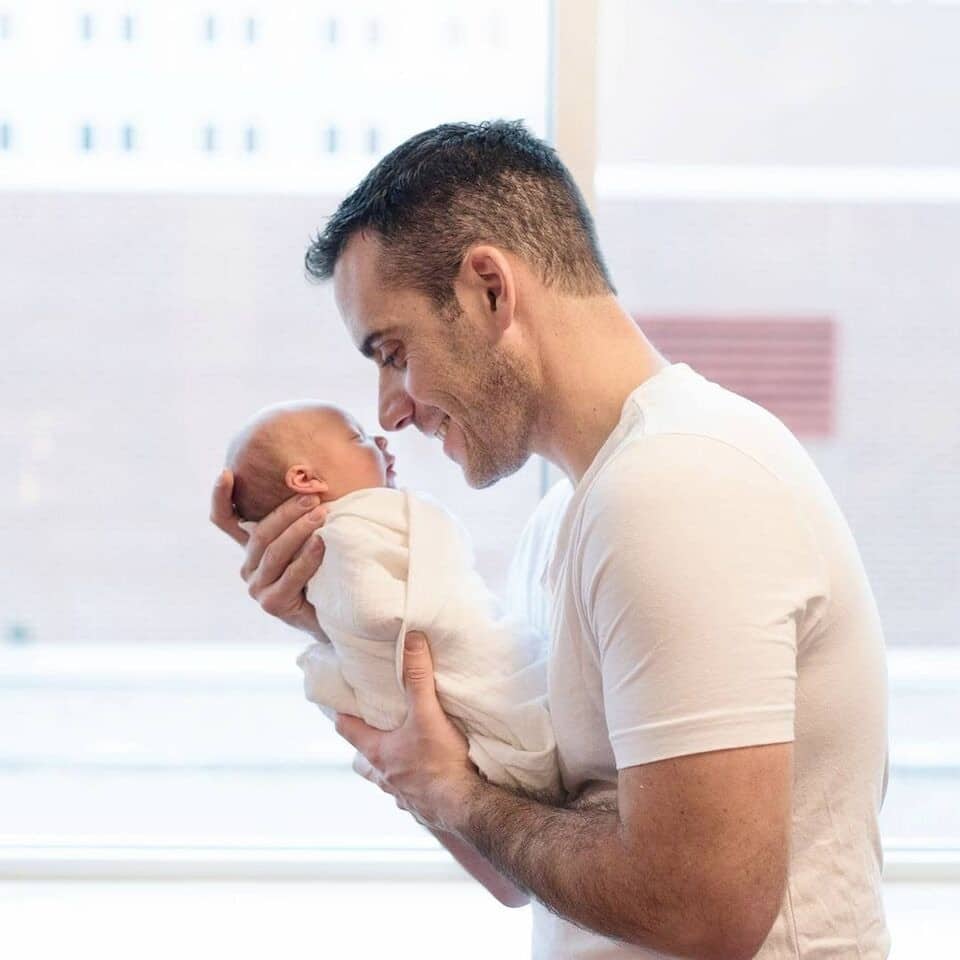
(572, 126)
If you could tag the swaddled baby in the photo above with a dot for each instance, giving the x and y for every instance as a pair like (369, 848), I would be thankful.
(397, 561)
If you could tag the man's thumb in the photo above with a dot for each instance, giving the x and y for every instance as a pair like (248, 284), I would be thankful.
(417, 668)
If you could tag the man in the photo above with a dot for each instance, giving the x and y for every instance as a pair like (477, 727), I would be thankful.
(716, 653)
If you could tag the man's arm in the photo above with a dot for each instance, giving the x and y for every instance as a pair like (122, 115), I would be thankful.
(476, 865)
(693, 862)
(508, 893)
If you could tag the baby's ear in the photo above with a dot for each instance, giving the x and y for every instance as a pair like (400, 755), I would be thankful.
(301, 478)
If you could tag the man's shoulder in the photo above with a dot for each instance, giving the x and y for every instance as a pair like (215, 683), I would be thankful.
(657, 485)
(665, 464)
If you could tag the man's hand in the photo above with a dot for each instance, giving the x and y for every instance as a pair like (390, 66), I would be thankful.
(282, 553)
(423, 764)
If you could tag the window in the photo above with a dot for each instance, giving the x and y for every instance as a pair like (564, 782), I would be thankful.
(290, 75)
(454, 31)
(786, 364)
(332, 139)
(332, 31)
(145, 688)
(180, 308)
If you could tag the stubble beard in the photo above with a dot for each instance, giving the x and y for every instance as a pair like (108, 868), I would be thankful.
(505, 411)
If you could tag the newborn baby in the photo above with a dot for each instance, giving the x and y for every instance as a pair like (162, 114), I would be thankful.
(394, 562)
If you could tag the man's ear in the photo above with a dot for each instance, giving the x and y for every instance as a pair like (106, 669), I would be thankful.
(302, 478)
(487, 279)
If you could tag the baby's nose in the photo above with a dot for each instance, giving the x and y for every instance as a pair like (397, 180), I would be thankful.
(381, 442)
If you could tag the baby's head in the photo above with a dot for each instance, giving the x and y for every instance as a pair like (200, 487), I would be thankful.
(303, 447)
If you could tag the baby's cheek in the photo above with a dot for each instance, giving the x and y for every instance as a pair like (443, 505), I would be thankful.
(378, 469)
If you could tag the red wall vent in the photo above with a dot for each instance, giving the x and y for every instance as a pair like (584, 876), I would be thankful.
(786, 364)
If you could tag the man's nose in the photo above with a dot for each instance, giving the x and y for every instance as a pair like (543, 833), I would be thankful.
(396, 407)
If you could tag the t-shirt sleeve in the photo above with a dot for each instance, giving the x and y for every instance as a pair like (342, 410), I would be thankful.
(697, 570)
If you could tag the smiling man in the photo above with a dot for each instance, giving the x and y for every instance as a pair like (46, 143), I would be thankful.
(716, 656)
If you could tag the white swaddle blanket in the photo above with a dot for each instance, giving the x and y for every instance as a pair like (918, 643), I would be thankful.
(397, 561)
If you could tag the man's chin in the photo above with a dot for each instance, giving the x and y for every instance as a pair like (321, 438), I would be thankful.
(480, 483)
(481, 477)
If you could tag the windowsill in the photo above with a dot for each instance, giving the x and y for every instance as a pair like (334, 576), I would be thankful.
(191, 761)
(52, 861)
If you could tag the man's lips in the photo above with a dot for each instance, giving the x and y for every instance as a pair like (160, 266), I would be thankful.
(442, 427)
(438, 430)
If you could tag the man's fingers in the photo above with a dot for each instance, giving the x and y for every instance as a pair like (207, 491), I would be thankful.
(418, 673)
(285, 595)
(364, 738)
(222, 513)
(280, 537)
(362, 765)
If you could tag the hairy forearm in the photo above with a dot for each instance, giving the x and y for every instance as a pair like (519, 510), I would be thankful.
(581, 865)
(482, 870)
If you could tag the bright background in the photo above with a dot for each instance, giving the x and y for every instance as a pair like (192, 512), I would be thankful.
(162, 167)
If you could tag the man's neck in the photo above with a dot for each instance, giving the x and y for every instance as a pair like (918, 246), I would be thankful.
(592, 358)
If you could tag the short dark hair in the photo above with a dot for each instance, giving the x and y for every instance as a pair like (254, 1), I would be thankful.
(443, 190)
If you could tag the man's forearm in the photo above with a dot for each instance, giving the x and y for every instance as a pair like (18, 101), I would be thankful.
(482, 870)
(581, 866)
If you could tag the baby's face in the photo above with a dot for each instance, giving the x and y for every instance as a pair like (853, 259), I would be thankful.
(351, 459)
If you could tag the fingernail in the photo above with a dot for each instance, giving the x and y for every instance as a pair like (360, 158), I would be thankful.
(316, 515)
(413, 643)
(307, 501)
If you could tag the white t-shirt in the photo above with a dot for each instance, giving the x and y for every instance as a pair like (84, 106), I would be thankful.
(707, 594)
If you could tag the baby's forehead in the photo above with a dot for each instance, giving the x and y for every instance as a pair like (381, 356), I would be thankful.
(322, 419)
(301, 423)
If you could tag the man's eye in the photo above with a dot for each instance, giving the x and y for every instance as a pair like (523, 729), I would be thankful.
(394, 360)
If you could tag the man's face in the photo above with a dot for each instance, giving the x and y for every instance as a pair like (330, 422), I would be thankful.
(440, 372)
